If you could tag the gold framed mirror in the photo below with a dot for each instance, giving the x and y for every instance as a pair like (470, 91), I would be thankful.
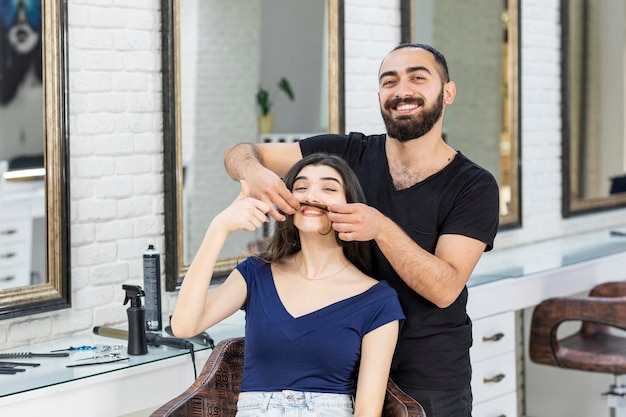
(480, 40)
(217, 58)
(593, 105)
(54, 292)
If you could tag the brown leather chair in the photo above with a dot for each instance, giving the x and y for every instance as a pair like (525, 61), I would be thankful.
(215, 391)
(594, 347)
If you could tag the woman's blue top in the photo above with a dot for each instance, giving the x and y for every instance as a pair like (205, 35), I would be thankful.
(317, 352)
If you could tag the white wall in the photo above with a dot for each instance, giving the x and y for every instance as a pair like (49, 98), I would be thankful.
(116, 145)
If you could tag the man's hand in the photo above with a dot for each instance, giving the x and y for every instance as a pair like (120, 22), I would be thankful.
(355, 222)
(270, 188)
(261, 165)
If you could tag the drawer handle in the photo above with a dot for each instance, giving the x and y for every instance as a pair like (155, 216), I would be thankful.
(8, 255)
(493, 338)
(7, 278)
(8, 232)
(494, 379)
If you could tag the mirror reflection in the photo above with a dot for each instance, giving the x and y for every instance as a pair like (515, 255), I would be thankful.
(245, 73)
(22, 234)
(34, 209)
(593, 115)
(480, 42)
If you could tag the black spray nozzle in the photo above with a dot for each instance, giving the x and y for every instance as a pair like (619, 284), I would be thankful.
(134, 294)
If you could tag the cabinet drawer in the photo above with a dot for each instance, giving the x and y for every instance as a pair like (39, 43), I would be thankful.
(15, 231)
(493, 377)
(14, 255)
(15, 276)
(504, 406)
(493, 336)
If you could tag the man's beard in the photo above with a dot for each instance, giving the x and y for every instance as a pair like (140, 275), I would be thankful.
(411, 127)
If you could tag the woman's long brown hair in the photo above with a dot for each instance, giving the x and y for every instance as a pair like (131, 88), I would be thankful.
(286, 238)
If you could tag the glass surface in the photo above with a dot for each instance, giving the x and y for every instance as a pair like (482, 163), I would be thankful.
(594, 89)
(53, 371)
(548, 255)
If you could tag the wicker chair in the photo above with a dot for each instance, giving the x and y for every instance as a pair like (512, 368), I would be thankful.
(215, 391)
(594, 347)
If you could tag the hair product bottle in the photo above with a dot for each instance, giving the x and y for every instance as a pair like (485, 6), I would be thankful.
(152, 288)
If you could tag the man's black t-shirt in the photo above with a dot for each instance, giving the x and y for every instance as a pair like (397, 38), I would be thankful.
(433, 347)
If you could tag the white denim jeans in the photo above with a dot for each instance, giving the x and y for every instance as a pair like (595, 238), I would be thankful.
(294, 404)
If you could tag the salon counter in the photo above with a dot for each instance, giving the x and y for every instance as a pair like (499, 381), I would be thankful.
(129, 387)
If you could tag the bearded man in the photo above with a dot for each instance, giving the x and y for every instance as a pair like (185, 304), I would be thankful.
(430, 214)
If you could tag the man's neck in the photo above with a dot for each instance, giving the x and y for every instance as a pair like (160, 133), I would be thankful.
(415, 160)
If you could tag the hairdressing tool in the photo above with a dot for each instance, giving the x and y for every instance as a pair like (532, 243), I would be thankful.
(153, 339)
(10, 364)
(19, 355)
(75, 348)
(74, 365)
(10, 371)
(201, 338)
(112, 355)
(11, 368)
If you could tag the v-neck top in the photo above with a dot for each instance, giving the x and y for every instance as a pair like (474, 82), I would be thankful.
(319, 351)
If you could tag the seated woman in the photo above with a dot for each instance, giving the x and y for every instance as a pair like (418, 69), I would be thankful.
(320, 333)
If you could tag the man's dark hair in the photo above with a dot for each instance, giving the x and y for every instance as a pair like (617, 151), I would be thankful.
(439, 58)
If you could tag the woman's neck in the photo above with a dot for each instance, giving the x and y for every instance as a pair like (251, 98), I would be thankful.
(319, 257)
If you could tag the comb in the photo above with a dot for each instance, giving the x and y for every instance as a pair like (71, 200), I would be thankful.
(6, 364)
(10, 371)
(21, 355)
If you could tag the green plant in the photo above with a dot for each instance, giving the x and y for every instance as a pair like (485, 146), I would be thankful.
(263, 96)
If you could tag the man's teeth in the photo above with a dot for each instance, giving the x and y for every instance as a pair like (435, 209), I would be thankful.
(406, 106)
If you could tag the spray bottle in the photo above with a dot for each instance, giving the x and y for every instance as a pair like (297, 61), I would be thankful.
(137, 341)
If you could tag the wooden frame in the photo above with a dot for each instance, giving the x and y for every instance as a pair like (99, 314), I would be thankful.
(55, 293)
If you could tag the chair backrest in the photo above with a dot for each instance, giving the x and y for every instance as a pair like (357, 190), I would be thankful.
(594, 347)
(214, 393)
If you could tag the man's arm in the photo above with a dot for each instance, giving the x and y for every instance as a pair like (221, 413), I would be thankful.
(262, 166)
(439, 278)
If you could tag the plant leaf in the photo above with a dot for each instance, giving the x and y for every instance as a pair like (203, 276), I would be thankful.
(263, 100)
(284, 85)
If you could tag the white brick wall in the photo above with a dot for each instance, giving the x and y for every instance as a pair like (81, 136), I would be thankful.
(115, 163)
(116, 146)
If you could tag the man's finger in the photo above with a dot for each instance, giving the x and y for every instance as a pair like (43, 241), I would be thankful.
(343, 208)
(245, 190)
(287, 203)
(276, 215)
